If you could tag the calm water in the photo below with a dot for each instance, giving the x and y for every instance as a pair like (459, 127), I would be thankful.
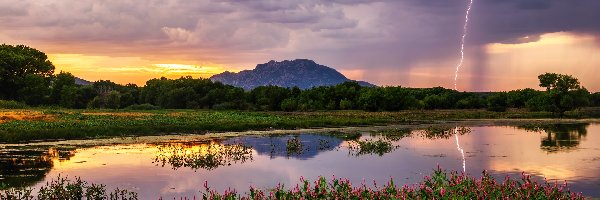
(171, 169)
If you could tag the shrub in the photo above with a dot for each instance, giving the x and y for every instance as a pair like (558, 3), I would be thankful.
(62, 188)
(440, 185)
(497, 102)
(289, 104)
(12, 105)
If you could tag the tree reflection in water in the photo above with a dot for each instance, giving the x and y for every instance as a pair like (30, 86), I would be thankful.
(559, 137)
(207, 155)
(25, 166)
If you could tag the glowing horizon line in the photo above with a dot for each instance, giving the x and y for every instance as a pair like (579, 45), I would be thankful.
(462, 44)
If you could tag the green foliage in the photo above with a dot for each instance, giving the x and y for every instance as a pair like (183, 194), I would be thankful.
(346, 104)
(294, 146)
(113, 100)
(497, 102)
(290, 104)
(363, 147)
(12, 105)
(73, 124)
(63, 188)
(541, 102)
(595, 99)
(439, 185)
(63, 81)
(211, 158)
(519, 98)
(35, 90)
(565, 92)
(17, 64)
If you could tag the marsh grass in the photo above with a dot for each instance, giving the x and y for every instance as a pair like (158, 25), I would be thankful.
(62, 124)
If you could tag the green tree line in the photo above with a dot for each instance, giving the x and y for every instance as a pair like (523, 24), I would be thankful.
(26, 75)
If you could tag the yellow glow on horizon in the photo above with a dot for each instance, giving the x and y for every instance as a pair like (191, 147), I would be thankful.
(518, 65)
(547, 40)
(122, 69)
(182, 69)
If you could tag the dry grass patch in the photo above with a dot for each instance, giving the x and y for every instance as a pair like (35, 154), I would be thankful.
(6, 116)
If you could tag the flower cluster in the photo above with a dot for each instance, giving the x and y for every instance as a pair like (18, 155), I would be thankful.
(440, 185)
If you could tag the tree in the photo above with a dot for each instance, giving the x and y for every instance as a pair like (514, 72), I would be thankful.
(370, 99)
(62, 81)
(289, 104)
(518, 98)
(497, 102)
(113, 100)
(345, 104)
(16, 63)
(565, 92)
(595, 99)
(35, 91)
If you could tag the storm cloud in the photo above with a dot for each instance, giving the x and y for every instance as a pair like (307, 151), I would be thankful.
(370, 35)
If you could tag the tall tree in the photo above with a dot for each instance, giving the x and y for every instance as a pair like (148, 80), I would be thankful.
(564, 91)
(16, 63)
(63, 81)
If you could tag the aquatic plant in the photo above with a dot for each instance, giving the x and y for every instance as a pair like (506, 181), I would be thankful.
(294, 146)
(440, 185)
(211, 157)
(438, 132)
(364, 147)
(394, 134)
(343, 135)
(56, 123)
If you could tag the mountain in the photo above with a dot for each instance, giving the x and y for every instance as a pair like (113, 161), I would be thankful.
(302, 73)
(79, 81)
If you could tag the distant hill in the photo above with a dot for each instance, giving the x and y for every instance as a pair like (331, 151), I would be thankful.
(79, 81)
(302, 73)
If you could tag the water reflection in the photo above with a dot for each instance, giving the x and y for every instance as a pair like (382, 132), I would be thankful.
(559, 137)
(25, 166)
(201, 155)
(302, 146)
(177, 169)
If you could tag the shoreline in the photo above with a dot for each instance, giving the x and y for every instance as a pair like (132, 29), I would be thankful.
(187, 137)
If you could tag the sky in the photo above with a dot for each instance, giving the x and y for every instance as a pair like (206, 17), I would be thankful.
(411, 43)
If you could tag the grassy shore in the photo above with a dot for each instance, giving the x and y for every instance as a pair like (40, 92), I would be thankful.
(23, 125)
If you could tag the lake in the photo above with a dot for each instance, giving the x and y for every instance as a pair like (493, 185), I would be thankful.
(173, 168)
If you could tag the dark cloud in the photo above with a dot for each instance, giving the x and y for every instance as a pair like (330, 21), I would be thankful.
(378, 34)
(509, 21)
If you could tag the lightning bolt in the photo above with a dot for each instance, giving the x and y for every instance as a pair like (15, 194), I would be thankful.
(462, 44)
(461, 150)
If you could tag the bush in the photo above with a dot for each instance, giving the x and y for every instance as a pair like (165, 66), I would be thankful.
(345, 104)
(497, 102)
(12, 105)
(595, 99)
(440, 185)
(540, 102)
(145, 106)
(289, 104)
(225, 106)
